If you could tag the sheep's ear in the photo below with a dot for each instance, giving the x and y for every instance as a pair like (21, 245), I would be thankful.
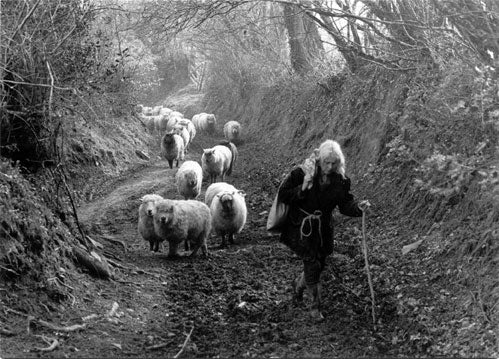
(242, 193)
(316, 153)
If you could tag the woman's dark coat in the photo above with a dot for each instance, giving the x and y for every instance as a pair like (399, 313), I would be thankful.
(319, 244)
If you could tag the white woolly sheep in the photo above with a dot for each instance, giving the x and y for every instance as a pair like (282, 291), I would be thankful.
(180, 220)
(228, 212)
(189, 179)
(216, 161)
(165, 111)
(172, 148)
(205, 122)
(159, 125)
(148, 121)
(216, 188)
(232, 131)
(175, 115)
(233, 149)
(182, 132)
(155, 110)
(147, 209)
(165, 124)
(146, 110)
(189, 126)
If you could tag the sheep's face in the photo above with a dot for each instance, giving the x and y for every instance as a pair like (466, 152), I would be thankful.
(227, 202)
(149, 208)
(208, 154)
(168, 138)
(191, 179)
(164, 213)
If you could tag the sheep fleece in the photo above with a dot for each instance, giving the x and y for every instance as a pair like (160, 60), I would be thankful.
(215, 188)
(146, 212)
(189, 178)
(228, 220)
(181, 220)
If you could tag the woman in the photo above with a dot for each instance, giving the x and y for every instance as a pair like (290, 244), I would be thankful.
(313, 190)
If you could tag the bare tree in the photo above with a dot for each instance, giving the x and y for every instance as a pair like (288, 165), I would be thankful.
(296, 36)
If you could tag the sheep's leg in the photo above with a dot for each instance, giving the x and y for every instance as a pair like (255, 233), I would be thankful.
(173, 250)
(186, 245)
(156, 246)
(200, 243)
(151, 245)
(204, 248)
(224, 242)
(231, 238)
(170, 162)
(195, 249)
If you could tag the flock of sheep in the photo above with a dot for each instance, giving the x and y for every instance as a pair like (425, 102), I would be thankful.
(191, 221)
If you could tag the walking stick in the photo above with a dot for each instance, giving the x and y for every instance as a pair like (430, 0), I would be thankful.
(364, 249)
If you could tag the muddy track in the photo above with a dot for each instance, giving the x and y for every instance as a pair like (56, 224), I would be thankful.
(236, 302)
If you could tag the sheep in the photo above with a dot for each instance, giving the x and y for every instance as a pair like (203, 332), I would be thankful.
(175, 116)
(232, 131)
(205, 122)
(189, 178)
(165, 111)
(182, 132)
(156, 109)
(148, 121)
(233, 149)
(228, 210)
(215, 188)
(147, 209)
(158, 122)
(183, 220)
(172, 148)
(189, 126)
(146, 110)
(216, 161)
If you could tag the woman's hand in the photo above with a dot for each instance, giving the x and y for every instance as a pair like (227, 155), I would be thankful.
(364, 205)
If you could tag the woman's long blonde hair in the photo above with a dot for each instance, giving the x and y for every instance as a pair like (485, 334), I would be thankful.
(332, 148)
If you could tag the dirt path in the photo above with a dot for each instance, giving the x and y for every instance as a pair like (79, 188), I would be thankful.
(236, 302)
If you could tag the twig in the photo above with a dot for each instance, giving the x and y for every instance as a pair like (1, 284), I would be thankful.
(71, 328)
(16, 312)
(53, 345)
(51, 94)
(364, 249)
(159, 346)
(9, 270)
(185, 343)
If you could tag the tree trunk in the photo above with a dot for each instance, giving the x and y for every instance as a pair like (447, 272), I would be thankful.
(313, 42)
(296, 35)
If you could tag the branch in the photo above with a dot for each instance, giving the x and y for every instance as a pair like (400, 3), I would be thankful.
(185, 343)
